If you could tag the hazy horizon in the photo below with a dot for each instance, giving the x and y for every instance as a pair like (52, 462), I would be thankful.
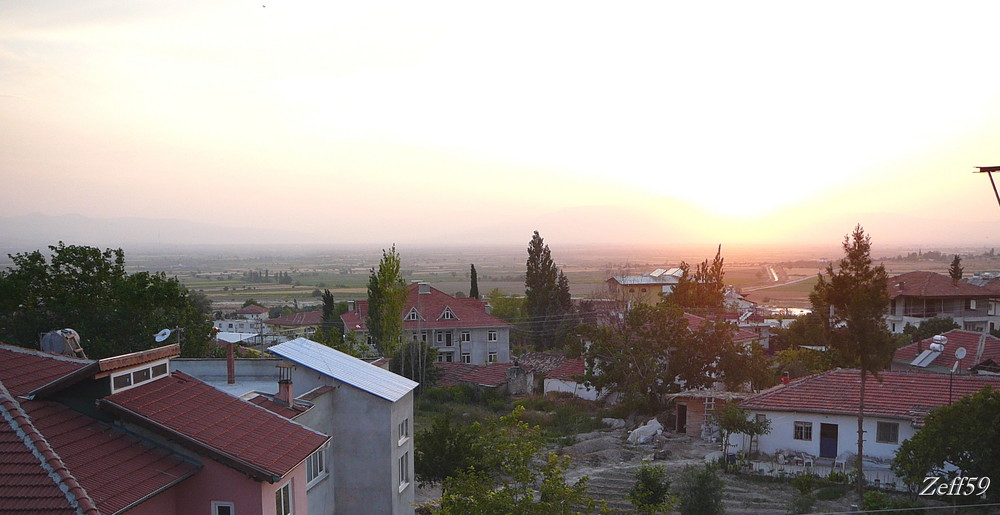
(645, 124)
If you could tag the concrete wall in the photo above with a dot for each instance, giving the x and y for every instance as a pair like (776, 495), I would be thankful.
(577, 389)
(321, 493)
(217, 482)
(479, 345)
(783, 428)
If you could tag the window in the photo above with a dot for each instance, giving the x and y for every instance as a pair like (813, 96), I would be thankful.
(440, 337)
(413, 315)
(448, 315)
(137, 376)
(404, 430)
(449, 357)
(888, 432)
(316, 465)
(283, 500)
(122, 381)
(492, 357)
(970, 304)
(466, 357)
(230, 326)
(404, 470)
(491, 336)
(223, 508)
(761, 417)
(423, 336)
(466, 336)
(803, 431)
(159, 370)
(140, 376)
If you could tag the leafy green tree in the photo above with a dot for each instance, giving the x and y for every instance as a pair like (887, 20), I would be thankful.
(473, 283)
(504, 477)
(853, 301)
(732, 420)
(88, 290)
(386, 296)
(965, 434)
(699, 491)
(444, 450)
(415, 360)
(546, 296)
(703, 290)
(930, 327)
(651, 492)
(801, 362)
(252, 302)
(955, 270)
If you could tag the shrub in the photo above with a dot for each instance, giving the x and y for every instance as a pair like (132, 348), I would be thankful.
(802, 503)
(830, 493)
(805, 483)
(699, 491)
(651, 492)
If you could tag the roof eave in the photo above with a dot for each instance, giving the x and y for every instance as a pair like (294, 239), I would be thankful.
(71, 378)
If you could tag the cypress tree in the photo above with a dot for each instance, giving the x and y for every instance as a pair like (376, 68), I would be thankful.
(474, 287)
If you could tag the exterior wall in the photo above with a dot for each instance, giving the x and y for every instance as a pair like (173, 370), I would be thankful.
(322, 498)
(300, 502)
(479, 345)
(914, 310)
(577, 389)
(217, 482)
(403, 494)
(163, 502)
(239, 325)
(783, 430)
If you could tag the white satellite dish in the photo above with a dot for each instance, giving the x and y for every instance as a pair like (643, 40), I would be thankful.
(162, 335)
(960, 353)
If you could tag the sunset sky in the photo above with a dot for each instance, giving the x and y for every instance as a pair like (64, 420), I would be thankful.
(463, 122)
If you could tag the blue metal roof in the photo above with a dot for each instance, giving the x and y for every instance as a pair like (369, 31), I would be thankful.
(345, 368)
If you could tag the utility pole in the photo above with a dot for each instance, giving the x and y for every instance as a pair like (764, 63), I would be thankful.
(988, 170)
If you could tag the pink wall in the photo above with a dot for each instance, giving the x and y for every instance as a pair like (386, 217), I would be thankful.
(164, 502)
(217, 482)
(300, 502)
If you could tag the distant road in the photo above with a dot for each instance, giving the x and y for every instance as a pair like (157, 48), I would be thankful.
(757, 288)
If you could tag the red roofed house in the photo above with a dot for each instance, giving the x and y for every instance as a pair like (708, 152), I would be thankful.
(918, 296)
(462, 330)
(567, 377)
(506, 378)
(818, 414)
(154, 442)
(979, 347)
(289, 327)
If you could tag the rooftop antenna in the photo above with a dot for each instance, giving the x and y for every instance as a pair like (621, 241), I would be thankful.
(988, 170)
(959, 354)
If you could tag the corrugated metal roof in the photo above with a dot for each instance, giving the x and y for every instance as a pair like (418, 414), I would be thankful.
(343, 367)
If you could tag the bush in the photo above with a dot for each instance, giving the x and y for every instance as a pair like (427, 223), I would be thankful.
(699, 491)
(802, 503)
(830, 493)
(651, 492)
(875, 500)
(805, 483)
(837, 477)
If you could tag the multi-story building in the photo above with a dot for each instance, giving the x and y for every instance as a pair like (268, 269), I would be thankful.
(918, 296)
(461, 329)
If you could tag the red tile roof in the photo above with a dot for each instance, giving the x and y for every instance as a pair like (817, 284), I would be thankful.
(696, 322)
(252, 310)
(431, 306)
(569, 370)
(25, 370)
(230, 430)
(956, 338)
(112, 364)
(540, 362)
(930, 284)
(902, 395)
(494, 374)
(267, 402)
(305, 318)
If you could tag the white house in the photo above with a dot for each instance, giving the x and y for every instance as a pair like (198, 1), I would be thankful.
(818, 414)
(567, 378)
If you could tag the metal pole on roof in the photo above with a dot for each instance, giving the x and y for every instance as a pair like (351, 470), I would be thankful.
(988, 170)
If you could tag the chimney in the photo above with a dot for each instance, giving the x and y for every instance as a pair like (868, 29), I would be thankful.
(230, 364)
(786, 378)
(285, 385)
(424, 288)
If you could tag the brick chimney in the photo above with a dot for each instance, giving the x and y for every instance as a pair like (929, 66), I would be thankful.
(230, 364)
(285, 394)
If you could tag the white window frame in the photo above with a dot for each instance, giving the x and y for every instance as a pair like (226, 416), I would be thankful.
(404, 471)
(467, 357)
(491, 336)
(403, 431)
(465, 336)
(287, 496)
(448, 314)
(492, 356)
(878, 432)
(134, 381)
(317, 466)
(801, 429)
(223, 504)
(440, 336)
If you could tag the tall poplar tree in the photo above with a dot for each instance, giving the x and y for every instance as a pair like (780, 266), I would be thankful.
(955, 271)
(852, 300)
(540, 290)
(386, 296)
(474, 280)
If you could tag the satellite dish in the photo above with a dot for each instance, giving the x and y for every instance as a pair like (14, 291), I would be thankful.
(162, 335)
(960, 353)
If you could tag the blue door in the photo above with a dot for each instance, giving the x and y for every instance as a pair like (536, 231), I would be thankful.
(828, 440)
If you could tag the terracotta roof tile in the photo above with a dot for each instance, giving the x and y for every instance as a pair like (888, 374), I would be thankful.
(494, 374)
(267, 402)
(25, 370)
(304, 318)
(569, 370)
(137, 358)
(452, 372)
(215, 421)
(540, 362)
(930, 284)
(956, 338)
(903, 395)
(430, 306)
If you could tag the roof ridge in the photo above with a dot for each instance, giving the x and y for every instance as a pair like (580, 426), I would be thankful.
(46, 455)
(43, 354)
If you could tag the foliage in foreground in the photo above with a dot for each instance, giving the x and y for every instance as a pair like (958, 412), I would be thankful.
(699, 491)
(88, 290)
(651, 492)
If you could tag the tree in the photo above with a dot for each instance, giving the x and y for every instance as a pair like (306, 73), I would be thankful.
(386, 296)
(699, 491)
(252, 302)
(733, 420)
(852, 300)
(703, 290)
(502, 480)
(930, 327)
(444, 450)
(474, 283)
(651, 492)
(87, 289)
(965, 434)
(955, 270)
(546, 296)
